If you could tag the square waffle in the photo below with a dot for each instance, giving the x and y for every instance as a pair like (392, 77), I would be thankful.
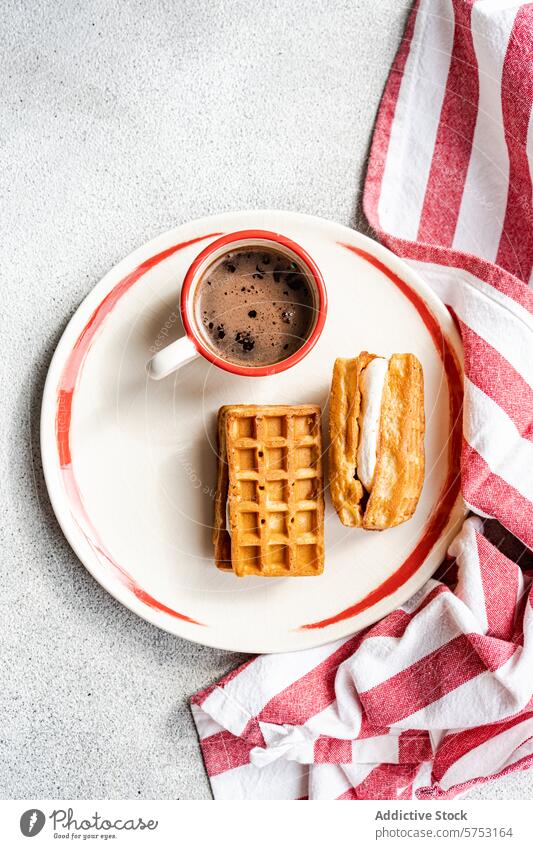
(270, 476)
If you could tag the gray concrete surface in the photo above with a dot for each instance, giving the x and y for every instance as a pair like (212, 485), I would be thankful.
(119, 121)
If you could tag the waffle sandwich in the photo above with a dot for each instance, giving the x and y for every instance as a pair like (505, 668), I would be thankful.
(377, 439)
(269, 506)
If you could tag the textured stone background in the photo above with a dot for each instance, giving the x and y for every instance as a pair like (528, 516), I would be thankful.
(120, 120)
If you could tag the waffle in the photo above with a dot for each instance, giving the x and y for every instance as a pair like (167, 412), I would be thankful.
(221, 537)
(270, 475)
(399, 473)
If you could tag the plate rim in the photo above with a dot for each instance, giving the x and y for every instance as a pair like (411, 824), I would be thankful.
(59, 499)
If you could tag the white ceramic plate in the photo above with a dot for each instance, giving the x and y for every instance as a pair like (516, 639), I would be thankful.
(130, 463)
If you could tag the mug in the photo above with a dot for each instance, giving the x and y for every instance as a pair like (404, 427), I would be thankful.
(192, 345)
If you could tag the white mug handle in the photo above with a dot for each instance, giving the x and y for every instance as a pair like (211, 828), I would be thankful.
(173, 357)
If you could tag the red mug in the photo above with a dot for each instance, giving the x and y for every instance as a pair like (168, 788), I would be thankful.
(191, 345)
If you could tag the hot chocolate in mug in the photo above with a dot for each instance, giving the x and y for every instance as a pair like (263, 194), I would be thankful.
(252, 303)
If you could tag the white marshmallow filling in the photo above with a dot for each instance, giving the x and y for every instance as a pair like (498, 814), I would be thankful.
(371, 386)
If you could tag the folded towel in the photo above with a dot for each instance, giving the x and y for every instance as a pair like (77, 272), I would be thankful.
(430, 701)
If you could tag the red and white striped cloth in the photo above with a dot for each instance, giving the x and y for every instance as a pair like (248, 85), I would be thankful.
(438, 696)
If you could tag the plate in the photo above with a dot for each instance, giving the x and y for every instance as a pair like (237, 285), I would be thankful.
(130, 463)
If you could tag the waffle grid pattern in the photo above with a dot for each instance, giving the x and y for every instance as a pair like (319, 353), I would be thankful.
(275, 492)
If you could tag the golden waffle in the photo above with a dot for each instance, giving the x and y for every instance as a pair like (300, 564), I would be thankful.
(399, 474)
(344, 405)
(221, 537)
(270, 474)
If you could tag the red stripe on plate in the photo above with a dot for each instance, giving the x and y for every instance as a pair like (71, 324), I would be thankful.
(450, 491)
(72, 368)
(65, 396)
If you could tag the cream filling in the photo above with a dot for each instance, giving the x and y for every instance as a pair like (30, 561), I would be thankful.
(371, 385)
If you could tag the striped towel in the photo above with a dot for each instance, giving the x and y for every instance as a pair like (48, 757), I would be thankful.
(438, 696)
(449, 189)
